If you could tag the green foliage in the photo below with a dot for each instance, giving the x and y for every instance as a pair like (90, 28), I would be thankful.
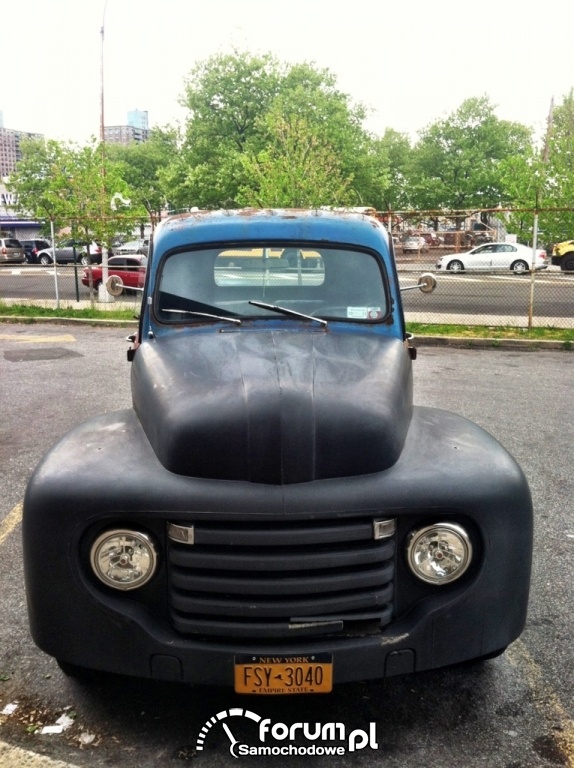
(390, 159)
(297, 169)
(32, 313)
(251, 117)
(456, 164)
(141, 166)
(266, 133)
(225, 95)
(75, 188)
(559, 176)
(541, 178)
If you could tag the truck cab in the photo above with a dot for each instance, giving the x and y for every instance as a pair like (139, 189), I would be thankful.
(563, 255)
(277, 516)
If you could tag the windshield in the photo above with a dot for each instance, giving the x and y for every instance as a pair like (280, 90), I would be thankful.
(330, 283)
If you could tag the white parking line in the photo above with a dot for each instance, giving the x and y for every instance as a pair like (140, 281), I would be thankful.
(37, 338)
(14, 757)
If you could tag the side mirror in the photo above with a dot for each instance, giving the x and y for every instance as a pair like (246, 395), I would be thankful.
(426, 283)
(114, 285)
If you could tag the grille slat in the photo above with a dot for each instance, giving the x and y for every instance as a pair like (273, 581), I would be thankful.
(197, 581)
(265, 608)
(327, 625)
(282, 580)
(273, 537)
(289, 560)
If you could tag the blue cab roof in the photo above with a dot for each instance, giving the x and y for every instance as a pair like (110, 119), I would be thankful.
(204, 227)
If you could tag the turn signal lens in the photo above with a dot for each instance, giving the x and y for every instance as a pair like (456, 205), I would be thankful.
(439, 554)
(123, 559)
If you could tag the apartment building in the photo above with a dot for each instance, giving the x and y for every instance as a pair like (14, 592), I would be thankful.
(10, 147)
(125, 134)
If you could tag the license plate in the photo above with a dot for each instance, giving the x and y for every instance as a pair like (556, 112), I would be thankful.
(284, 674)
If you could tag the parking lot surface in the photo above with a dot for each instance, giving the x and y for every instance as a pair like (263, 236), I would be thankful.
(516, 711)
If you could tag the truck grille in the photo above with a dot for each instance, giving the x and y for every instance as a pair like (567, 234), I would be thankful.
(281, 579)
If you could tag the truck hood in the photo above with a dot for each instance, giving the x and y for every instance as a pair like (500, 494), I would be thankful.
(272, 406)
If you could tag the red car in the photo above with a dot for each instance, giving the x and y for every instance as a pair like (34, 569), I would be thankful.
(131, 270)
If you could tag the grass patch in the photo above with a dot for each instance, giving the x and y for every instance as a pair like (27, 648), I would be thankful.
(30, 313)
(492, 332)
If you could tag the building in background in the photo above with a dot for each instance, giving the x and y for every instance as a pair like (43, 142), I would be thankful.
(137, 118)
(136, 131)
(10, 147)
(10, 222)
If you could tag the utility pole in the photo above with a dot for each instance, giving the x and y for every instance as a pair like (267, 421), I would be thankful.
(545, 154)
(103, 294)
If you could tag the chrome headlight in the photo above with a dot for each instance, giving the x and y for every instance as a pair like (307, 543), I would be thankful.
(123, 559)
(439, 554)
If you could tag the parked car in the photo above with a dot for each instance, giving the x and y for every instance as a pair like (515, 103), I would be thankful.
(493, 256)
(431, 238)
(415, 244)
(140, 246)
(131, 270)
(11, 249)
(32, 248)
(65, 253)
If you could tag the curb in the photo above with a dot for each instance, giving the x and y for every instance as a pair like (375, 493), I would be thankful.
(470, 342)
(68, 321)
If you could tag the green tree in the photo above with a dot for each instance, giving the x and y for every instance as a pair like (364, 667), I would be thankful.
(225, 96)
(540, 178)
(243, 106)
(42, 191)
(523, 177)
(558, 175)
(392, 157)
(297, 169)
(73, 187)
(311, 94)
(141, 166)
(456, 163)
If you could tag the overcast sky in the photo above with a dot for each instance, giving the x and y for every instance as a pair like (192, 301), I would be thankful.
(410, 62)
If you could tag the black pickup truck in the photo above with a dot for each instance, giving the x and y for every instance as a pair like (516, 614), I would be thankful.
(274, 514)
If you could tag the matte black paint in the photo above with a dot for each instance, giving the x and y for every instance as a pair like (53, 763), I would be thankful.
(274, 422)
(274, 407)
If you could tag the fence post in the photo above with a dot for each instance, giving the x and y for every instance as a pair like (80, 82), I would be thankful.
(533, 270)
(55, 263)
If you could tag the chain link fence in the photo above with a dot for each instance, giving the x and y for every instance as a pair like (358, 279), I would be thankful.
(490, 296)
(62, 286)
(484, 278)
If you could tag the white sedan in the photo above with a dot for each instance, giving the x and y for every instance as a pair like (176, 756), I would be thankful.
(493, 256)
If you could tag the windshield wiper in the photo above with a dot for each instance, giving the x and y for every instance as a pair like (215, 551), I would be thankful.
(288, 312)
(235, 320)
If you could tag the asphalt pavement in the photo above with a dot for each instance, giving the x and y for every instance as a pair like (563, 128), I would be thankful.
(516, 711)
